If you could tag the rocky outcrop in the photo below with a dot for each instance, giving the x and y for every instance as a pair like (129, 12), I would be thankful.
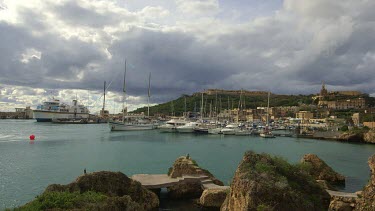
(351, 137)
(186, 166)
(341, 203)
(213, 198)
(262, 182)
(119, 191)
(321, 171)
(369, 137)
(190, 190)
(367, 199)
(325, 185)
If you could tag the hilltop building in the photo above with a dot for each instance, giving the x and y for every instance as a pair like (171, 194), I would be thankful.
(232, 92)
(340, 100)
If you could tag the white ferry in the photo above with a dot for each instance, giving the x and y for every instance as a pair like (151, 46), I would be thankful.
(56, 110)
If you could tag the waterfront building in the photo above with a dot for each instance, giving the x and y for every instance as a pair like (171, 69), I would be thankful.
(370, 125)
(305, 116)
(357, 118)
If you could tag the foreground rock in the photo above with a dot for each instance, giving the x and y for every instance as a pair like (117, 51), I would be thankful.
(321, 171)
(111, 190)
(367, 199)
(262, 182)
(369, 137)
(213, 198)
(186, 166)
(340, 203)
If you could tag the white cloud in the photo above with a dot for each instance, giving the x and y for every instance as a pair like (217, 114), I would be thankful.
(30, 54)
(198, 7)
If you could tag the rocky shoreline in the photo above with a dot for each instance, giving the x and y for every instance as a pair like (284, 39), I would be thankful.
(261, 182)
(353, 137)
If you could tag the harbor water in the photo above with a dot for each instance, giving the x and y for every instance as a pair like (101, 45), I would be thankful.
(60, 153)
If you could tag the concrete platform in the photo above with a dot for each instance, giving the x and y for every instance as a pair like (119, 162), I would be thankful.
(155, 181)
(341, 194)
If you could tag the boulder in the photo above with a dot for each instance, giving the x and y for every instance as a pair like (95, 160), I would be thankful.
(115, 189)
(191, 190)
(367, 197)
(213, 198)
(184, 166)
(369, 137)
(342, 203)
(321, 171)
(262, 182)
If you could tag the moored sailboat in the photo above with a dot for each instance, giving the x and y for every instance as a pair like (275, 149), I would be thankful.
(266, 133)
(128, 123)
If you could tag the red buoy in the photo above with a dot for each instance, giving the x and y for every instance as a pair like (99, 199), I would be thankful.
(32, 137)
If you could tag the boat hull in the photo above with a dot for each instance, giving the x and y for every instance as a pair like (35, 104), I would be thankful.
(265, 135)
(185, 129)
(114, 126)
(167, 129)
(47, 116)
(214, 131)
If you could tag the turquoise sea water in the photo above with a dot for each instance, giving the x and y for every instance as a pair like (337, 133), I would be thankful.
(61, 152)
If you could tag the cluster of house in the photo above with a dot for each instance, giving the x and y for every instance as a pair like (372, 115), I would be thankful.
(20, 113)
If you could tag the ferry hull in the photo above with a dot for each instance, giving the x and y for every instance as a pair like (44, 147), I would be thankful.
(47, 116)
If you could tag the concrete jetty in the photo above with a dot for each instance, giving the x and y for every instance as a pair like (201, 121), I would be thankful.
(155, 181)
(342, 194)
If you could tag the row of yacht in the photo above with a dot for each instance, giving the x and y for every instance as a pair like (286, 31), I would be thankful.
(184, 126)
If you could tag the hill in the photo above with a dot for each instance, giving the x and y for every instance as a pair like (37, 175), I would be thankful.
(224, 100)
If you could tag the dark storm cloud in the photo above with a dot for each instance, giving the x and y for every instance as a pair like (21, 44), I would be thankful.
(179, 63)
(75, 14)
(61, 59)
(291, 51)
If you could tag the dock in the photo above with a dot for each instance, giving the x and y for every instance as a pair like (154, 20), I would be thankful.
(155, 181)
(342, 194)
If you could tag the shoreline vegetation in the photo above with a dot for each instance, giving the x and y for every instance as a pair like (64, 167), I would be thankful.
(261, 182)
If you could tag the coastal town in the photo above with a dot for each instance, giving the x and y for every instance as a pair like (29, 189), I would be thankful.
(326, 115)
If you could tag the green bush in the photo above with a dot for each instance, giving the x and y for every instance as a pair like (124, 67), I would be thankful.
(63, 200)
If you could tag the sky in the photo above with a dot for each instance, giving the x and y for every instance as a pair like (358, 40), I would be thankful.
(67, 48)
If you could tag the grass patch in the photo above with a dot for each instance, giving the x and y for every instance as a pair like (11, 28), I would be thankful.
(63, 200)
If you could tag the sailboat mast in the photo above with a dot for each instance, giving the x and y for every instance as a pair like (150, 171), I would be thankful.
(185, 106)
(202, 108)
(268, 106)
(103, 99)
(149, 95)
(124, 95)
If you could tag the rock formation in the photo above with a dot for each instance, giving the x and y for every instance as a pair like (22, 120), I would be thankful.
(367, 199)
(351, 137)
(262, 182)
(369, 137)
(117, 190)
(186, 166)
(321, 171)
(213, 198)
(340, 203)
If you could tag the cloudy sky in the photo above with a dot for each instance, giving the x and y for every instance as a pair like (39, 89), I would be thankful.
(68, 48)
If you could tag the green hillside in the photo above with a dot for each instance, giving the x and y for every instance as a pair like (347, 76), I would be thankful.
(193, 103)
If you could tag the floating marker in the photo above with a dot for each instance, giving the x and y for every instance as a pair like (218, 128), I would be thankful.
(32, 137)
